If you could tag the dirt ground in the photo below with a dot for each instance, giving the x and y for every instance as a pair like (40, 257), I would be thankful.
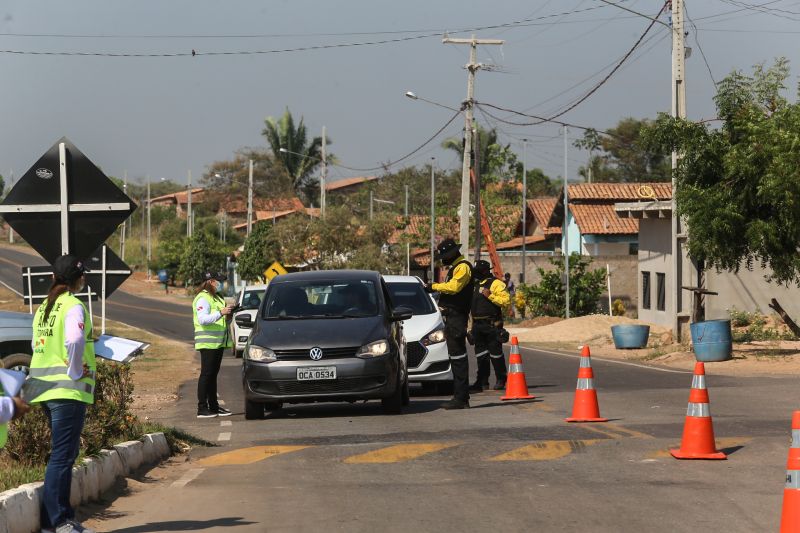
(778, 357)
(157, 373)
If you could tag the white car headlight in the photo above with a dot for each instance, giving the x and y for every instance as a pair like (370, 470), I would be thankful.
(374, 349)
(257, 353)
(434, 337)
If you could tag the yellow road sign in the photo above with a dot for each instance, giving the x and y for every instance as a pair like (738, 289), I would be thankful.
(275, 269)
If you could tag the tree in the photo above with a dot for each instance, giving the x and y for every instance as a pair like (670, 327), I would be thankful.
(585, 287)
(302, 156)
(738, 186)
(260, 250)
(495, 161)
(624, 157)
(2, 185)
(201, 254)
(230, 177)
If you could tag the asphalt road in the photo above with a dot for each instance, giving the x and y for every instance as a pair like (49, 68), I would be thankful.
(496, 467)
(160, 317)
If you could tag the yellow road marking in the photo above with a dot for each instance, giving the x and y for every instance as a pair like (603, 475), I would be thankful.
(545, 451)
(246, 456)
(399, 452)
(724, 442)
(616, 432)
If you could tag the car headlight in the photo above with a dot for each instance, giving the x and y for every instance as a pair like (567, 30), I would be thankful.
(374, 349)
(434, 337)
(257, 353)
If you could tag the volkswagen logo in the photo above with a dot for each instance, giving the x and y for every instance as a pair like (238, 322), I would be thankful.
(315, 353)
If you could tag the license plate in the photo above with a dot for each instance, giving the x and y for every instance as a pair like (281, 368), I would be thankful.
(312, 373)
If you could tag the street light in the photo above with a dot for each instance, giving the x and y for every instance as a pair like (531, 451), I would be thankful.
(323, 172)
(524, 203)
(415, 96)
(433, 215)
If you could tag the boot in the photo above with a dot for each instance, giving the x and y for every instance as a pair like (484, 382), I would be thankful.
(455, 404)
(477, 386)
(500, 384)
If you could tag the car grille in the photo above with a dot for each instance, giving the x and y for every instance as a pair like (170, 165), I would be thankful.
(440, 366)
(343, 385)
(416, 353)
(327, 353)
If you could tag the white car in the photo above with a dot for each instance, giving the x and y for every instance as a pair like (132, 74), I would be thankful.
(248, 302)
(428, 360)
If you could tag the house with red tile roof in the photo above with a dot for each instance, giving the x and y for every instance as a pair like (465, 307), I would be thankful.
(348, 185)
(178, 200)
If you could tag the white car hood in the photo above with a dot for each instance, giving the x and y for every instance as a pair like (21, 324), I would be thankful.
(420, 325)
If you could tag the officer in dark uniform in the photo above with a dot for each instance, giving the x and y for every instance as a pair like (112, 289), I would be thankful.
(455, 300)
(489, 299)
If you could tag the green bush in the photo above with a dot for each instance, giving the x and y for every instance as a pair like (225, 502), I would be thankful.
(740, 319)
(585, 287)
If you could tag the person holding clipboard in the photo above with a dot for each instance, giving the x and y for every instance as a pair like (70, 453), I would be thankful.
(63, 355)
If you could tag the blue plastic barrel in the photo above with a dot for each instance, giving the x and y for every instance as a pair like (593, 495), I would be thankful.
(711, 340)
(162, 276)
(629, 336)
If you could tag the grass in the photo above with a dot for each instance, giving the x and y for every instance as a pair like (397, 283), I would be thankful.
(12, 476)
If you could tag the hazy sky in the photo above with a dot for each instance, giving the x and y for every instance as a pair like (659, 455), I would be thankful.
(163, 115)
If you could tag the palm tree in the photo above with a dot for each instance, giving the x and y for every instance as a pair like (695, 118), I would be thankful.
(488, 149)
(301, 157)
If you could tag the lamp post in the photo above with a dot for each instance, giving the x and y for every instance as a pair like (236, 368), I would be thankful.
(524, 205)
(433, 214)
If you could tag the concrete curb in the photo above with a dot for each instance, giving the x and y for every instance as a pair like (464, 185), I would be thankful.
(19, 508)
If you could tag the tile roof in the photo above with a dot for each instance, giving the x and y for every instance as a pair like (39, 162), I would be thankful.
(619, 191)
(180, 197)
(542, 209)
(266, 215)
(602, 219)
(238, 204)
(420, 226)
(348, 182)
(516, 242)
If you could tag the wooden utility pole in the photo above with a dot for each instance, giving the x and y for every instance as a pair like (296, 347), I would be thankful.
(472, 67)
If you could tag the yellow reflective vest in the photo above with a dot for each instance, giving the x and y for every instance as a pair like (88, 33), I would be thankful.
(210, 336)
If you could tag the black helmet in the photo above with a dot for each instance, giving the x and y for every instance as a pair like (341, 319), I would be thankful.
(482, 269)
(447, 251)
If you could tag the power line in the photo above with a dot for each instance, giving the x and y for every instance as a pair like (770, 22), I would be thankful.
(654, 19)
(699, 47)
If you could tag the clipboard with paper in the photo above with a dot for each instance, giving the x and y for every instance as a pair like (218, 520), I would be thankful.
(118, 349)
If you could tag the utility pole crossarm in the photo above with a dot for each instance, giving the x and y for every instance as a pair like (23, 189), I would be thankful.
(448, 40)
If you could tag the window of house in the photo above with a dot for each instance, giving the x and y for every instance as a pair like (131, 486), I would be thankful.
(633, 248)
(645, 290)
(661, 290)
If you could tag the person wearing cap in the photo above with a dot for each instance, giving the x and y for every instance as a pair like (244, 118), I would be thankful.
(454, 300)
(490, 297)
(512, 289)
(211, 337)
(63, 353)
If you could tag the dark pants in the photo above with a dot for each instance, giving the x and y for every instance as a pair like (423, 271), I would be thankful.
(210, 360)
(455, 334)
(65, 418)
(488, 348)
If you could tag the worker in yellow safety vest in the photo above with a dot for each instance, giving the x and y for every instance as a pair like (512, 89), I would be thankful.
(211, 336)
(63, 354)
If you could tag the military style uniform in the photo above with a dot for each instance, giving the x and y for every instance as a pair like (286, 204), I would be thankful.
(487, 324)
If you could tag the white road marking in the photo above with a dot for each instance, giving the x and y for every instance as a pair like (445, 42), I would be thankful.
(188, 477)
(626, 363)
(225, 423)
(224, 436)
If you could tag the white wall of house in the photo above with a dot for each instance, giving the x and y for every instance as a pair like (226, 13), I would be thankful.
(574, 234)
(606, 248)
(748, 291)
(654, 258)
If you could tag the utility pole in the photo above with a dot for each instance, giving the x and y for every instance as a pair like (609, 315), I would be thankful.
(433, 216)
(405, 213)
(566, 227)
(476, 167)
(323, 175)
(124, 223)
(189, 207)
(471, 67)
(250, 200)
(524, 205)
(678, 92)
(10, 186)
(370, 205)
(149, 244)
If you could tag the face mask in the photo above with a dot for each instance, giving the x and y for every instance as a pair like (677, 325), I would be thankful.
(81, 284)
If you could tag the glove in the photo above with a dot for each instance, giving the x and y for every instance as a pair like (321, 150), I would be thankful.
(429, 287)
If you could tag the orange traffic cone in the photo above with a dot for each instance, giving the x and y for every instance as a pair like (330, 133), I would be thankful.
(790, 518)
(516, 386)
(586, 408)
(698, 430)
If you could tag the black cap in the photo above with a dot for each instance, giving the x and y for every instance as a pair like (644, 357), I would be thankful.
(483, 268)
(219, 276)
(446, 248)
(68, 268)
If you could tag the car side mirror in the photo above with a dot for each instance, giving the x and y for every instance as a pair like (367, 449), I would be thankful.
(244, 321)
(401, 313)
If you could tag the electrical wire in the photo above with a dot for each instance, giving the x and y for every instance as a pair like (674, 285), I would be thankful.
(417, 149)
(699, 46)
(653, 19)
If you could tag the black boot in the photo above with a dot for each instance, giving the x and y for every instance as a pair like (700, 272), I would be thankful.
(455, 404)
(501, 384)
(477, 386)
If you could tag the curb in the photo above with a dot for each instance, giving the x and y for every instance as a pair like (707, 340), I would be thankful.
(19, 508)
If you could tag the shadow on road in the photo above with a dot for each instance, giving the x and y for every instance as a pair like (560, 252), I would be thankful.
(187, 525)
(349, 410)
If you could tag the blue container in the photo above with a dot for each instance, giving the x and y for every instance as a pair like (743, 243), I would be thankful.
(711, 340)
(162, 276)
(629, 336)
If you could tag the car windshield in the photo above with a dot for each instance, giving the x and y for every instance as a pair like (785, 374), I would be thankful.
(294, 300)
(252, 298)
(411, 295)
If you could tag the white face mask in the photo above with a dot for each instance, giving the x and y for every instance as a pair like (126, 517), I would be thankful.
(81, 283)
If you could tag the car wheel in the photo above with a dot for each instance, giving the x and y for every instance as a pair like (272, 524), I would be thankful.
(253, 410)
(393, 405)
(20, 362)
(406, 396)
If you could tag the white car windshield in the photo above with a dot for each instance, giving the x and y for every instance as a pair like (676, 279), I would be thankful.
(252, 298)
(411, 295)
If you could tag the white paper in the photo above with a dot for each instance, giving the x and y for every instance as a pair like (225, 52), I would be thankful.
(12, 381)
(118, 349)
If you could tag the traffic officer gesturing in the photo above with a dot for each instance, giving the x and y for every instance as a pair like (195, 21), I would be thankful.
(455, 299)
(488, 302)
